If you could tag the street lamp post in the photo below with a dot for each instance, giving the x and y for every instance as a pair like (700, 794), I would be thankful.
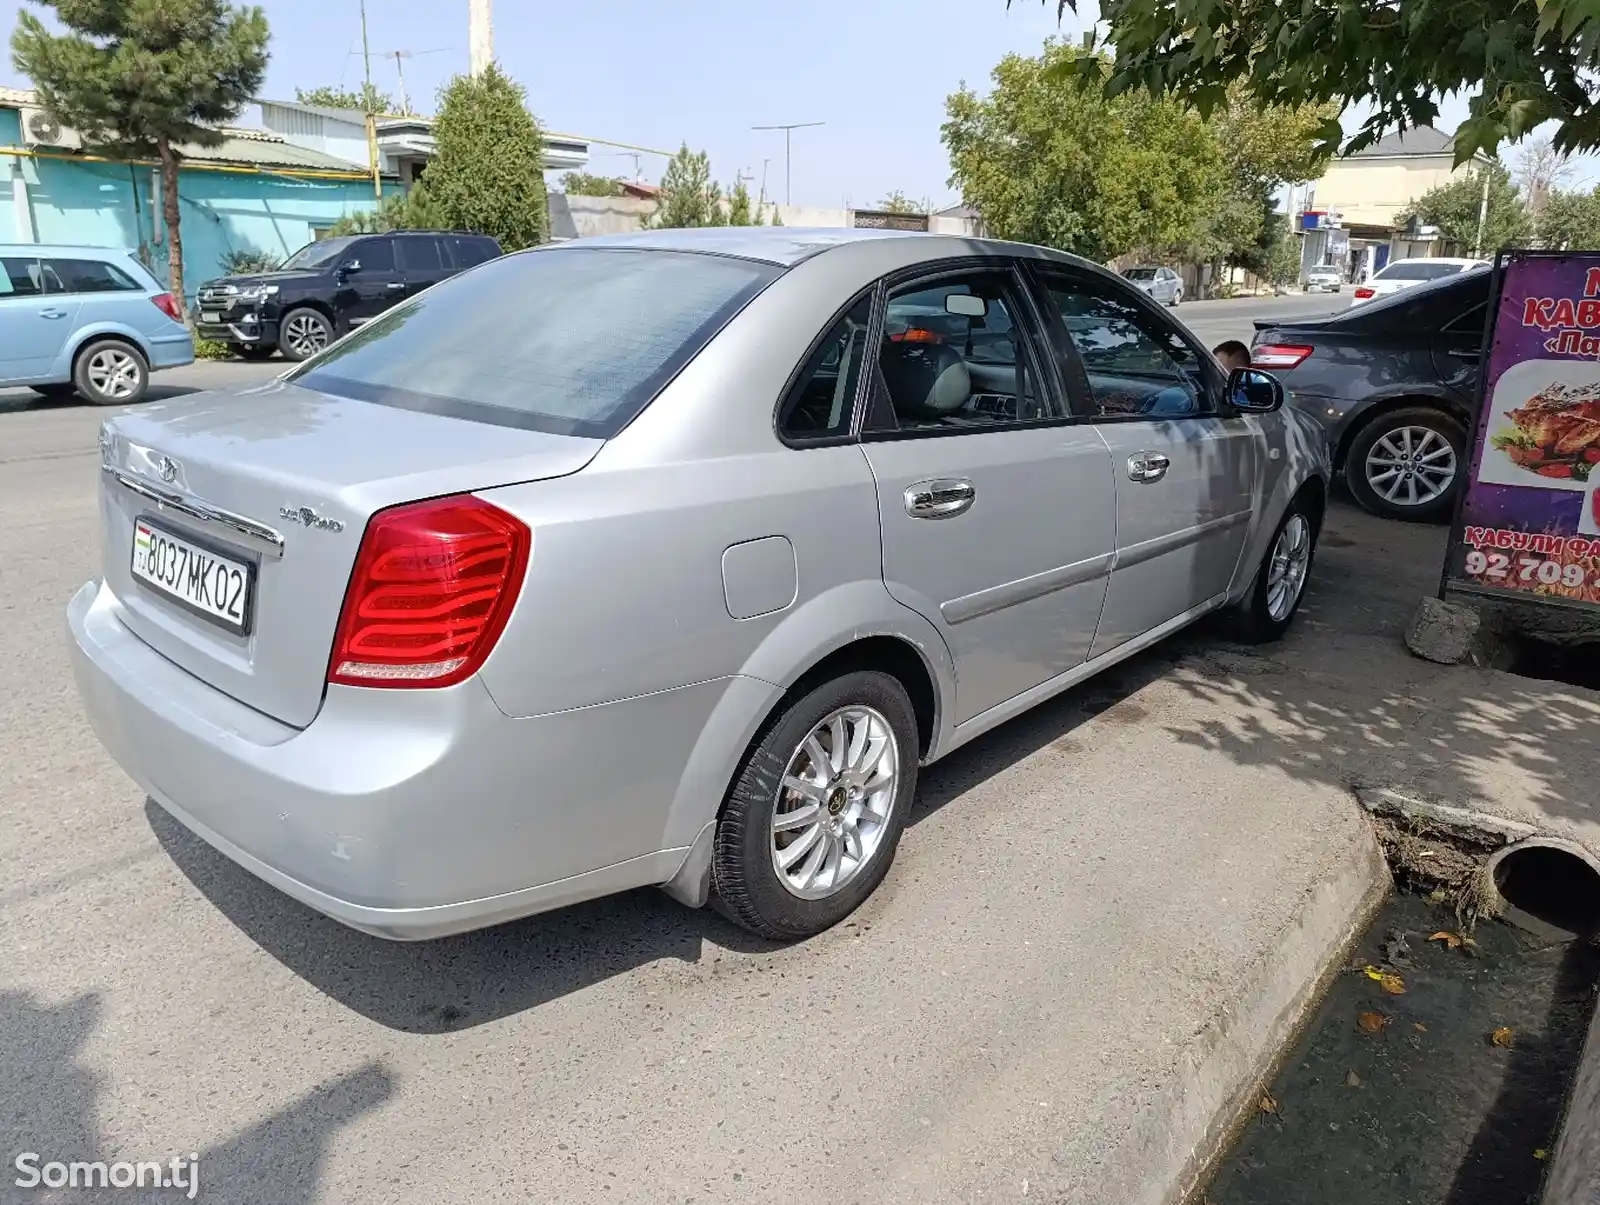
(788, 131)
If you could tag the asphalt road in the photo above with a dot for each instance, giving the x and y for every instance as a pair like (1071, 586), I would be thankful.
(1015, 1015)
(1214, 321)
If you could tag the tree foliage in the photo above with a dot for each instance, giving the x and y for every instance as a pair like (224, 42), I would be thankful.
(582, 184)
(136, 78)
(369, 98)
(1540, 171)
(1282, 267)
(1519, 62)
(689, 196)
(1570, 221)
(898, 202)
(1455, 205)
(740, 208)
(487, 173)
(1045, 161)
(397, 211)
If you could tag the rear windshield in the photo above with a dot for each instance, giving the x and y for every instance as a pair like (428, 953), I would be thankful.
(574, 341)
(1417, 271)
(1140, 274)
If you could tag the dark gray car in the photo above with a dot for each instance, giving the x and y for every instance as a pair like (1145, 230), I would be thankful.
(1391, 382)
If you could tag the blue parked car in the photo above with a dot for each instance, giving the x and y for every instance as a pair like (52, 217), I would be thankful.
(85, 320)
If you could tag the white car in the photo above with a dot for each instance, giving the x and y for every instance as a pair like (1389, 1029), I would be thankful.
(1403, 273)
(1324, 278)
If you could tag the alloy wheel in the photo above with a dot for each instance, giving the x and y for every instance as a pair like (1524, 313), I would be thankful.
(1286, 571)
(305, 335)
(113, 373)
(834, 802)
(1411, 466)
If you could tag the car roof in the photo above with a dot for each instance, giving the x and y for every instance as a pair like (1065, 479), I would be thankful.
(1432, 259)
(32, 249)
(789, 245)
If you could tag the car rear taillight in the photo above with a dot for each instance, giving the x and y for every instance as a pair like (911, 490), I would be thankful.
(1366, 291)
(1279, 355)
(168, 305)
(432, 588)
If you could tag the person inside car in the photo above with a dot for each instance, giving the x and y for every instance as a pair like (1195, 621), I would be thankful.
(1232, 354)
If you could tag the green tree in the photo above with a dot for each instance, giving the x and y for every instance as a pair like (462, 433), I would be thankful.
(1570, 221)
(136, 79)
(487, 172)
(368, 98)
(1454, 208)
(582, 184)
(397, 211)
(739, 207)
(1045, 161)
(689, 197)
(1519, 62)
(1282, 266)
(898, 202)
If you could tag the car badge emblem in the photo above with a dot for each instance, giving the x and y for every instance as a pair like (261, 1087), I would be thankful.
(168, 468)
(309, 518)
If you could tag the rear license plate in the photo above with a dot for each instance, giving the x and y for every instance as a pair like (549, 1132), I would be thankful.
(213, 586)
(210, 316)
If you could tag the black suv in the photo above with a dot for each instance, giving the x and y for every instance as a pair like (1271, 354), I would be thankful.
(329, 287)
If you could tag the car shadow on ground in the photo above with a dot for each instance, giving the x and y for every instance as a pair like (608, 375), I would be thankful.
(455, 983)
(48, 1104)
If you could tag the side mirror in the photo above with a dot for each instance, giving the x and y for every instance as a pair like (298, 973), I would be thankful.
(349, 266)
(1254, 392)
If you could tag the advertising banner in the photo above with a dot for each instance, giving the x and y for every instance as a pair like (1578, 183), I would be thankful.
(1528, 523)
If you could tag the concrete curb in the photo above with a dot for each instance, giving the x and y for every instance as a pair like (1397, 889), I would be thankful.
(1575, 1169)
(1192, 1124)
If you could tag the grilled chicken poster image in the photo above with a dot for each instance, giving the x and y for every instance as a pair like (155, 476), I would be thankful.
(1530, 521)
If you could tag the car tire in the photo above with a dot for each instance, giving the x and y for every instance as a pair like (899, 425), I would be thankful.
(109, 372)
(303, 333)
(56, 392)
(763, 816)
(1177, 296)
(255, 351)
(1279, 586)
(1384, 440)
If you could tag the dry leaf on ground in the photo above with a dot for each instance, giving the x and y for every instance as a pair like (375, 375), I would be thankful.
(1453, 940)
(1268, 1105)
(1503, 1037)
(1352, 1080)
(1419, 1027)
(1371, 1022)
(1541, 1153)
(1393, 984)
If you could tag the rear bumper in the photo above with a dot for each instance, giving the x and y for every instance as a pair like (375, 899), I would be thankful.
(172, 351)
(408, 814)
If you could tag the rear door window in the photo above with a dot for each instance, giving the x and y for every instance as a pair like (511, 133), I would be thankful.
(86, 276)
(821, 402)
(421, 254)
(571, 340)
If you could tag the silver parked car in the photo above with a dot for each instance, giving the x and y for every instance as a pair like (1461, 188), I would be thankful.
(666, 559)
(1163, 284)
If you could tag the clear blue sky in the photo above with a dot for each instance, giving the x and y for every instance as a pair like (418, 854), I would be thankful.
(701, 72)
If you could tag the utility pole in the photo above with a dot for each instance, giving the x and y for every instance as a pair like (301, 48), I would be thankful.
(1483, 213)
(788, 197)
(366, 103)
(480, 34)
(400, 71)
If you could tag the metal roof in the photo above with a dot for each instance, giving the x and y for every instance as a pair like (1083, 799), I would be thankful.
(1419, 141)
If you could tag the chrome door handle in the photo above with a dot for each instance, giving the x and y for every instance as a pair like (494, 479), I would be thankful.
(395, 284)
(1147, 467)
(941, 498)
(52, 313)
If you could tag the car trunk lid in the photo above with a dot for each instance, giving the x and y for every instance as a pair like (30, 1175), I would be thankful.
(228, 472)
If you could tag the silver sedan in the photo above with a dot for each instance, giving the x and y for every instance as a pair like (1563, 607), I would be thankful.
(666, 559)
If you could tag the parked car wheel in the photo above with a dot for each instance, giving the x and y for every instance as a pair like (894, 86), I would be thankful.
(255, 351)
(1407, 464)
(1177, 296)
(811, 823)
(109, 372)
(56, 392)
(304, 333)
(1280, 582)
